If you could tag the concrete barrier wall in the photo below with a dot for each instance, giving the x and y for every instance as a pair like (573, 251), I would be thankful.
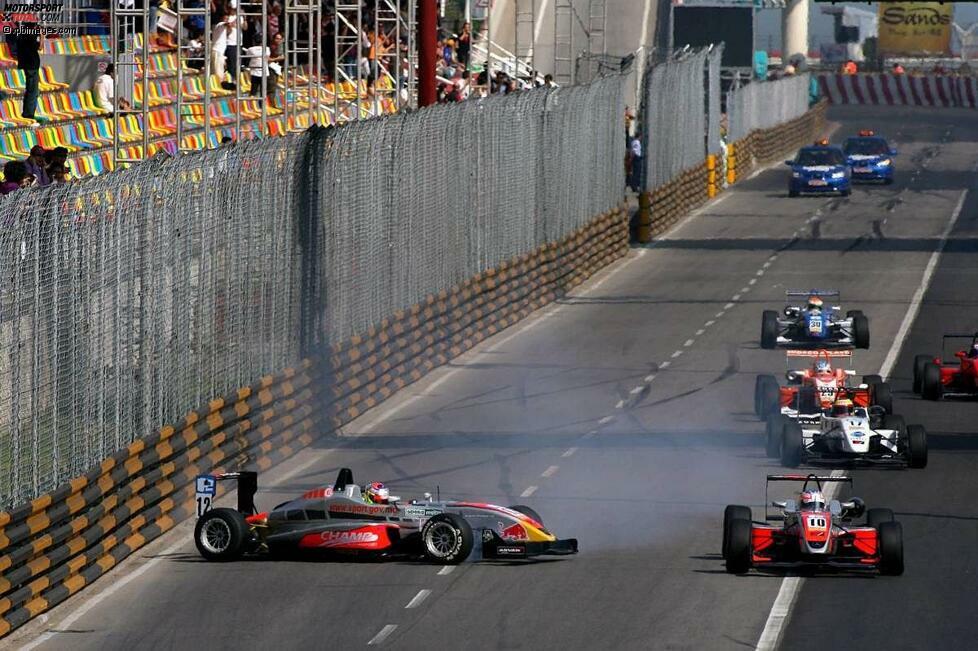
(61, 542)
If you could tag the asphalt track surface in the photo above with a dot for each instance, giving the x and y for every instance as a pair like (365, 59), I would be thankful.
(624, 414)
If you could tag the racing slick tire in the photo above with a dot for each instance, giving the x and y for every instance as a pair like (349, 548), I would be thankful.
(769, 329)
(894, 422)
(872, 379)
(890, 548)
(807, 401)
(860, 331)
(881, 395)
(919, 362)
(731, 513)
(221, 534)
(875, 517)
(738, 559)
(527, 511)
(767, 395)
(791, 444)
(930, 383)
(916, 447)
(852, 313)
(774, 430)
(447, 538)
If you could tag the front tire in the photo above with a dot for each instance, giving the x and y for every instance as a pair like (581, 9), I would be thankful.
(872, 379)
(890, 536)
(738, 547)
(221, 534)
(768, 396)
(919, 362)
(916, 447)
(447, 538)
(881, 395)
(931, 387)
(860, 331)
(769, 329)
(774, 429)
(791, 444)
(875, 517)
(731, 513)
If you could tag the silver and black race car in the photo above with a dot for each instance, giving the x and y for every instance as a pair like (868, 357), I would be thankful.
(814, 324)
(337, 518)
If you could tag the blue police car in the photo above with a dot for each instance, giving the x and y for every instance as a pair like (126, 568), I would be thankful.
(869, 157)
(818, 169)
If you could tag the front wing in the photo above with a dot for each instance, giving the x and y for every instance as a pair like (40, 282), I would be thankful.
(495, 547)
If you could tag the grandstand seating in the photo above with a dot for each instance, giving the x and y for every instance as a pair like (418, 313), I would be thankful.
(72, 120)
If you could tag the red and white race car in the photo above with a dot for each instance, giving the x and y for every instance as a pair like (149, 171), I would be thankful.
(814, 387)
(813, 532)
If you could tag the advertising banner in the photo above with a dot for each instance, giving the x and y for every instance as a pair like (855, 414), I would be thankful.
(915, 28)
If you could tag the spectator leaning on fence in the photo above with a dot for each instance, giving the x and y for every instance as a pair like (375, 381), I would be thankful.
(37, 165)
(14, 174)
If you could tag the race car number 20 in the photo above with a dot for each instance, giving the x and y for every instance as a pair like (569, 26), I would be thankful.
(206, 488)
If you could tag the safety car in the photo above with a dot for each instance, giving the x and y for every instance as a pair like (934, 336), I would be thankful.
(819, 169)
(869, 157)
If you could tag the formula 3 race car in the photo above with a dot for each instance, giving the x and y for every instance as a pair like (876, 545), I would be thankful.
(813, 533)
(814, 324)
(338, 519)
(937, 377)
(845, 433)
(825, 378)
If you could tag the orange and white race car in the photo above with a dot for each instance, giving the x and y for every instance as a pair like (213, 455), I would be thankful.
(814, 388)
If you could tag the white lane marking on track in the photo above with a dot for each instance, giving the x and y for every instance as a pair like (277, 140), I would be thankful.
(96, 601)
(640, 253)
(664, 364)
(549, 472)
(636, 390)
(778, 617)
(760, 272)
(619, 404)
(719, 314)
(729, 305)
(677, 354)
(418, 598)
(700, 331)
(568, 452)
(382, 635)
(606, 420)
(445, 571)
(735, 297)
(530, 490)
(709, 323)
(766, 264)
(752, 281)
(787, 594)
(649, 378)
(295, 471)
(688, 343)
(918, 296)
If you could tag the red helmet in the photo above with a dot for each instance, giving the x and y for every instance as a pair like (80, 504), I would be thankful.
(812, 501)
(376, 493)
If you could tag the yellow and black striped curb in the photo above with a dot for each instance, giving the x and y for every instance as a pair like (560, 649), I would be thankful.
(61, 542)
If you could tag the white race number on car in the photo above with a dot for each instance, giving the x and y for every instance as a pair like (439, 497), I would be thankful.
(206, 488)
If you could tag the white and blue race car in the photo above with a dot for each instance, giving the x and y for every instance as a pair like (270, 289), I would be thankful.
(814, 324)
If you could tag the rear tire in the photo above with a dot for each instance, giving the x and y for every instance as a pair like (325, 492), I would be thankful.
(738, 547)
(768, 397)
(774, 429)
(731, 513)
(890, 538)
(860, 331)
(447, 538)
(874, 517)
(791, 444)
(221, 534)
(916, 447)
(852, 313)
(881, 395)
(931, 387)
(769, 329)
(807, 401)
(919, 362)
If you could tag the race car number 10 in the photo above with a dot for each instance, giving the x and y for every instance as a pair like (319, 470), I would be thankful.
(206, 488)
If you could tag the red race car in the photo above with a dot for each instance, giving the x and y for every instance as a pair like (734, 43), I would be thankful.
(823, 381)
(814, 532)
(934, 377)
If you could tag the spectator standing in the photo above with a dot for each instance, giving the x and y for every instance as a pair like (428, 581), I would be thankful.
(635, 162)
(37, 165)
(548, 81)
(219, 45)
(104, 91)
(58, 174)
(273, 20)
(464, 46)
(258, 68)
(27, 50)
(236, 25)
(14, 173)
(898, 69)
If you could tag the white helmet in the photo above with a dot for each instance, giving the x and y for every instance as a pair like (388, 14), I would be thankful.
(812, 501)
(823, 366)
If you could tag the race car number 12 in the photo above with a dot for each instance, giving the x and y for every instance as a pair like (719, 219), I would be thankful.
(206, 486)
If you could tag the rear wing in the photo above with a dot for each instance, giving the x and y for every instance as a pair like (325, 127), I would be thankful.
(817, 479)
(206, 490)
(811, 355)
(793, 293)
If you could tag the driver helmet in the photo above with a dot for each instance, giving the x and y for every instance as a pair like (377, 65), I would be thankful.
(974, 349)
(376, 493)
(822, 367)
(814, 303)
(842, 407)
(812, 501)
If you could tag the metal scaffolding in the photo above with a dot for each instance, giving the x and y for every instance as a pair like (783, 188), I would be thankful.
(564, 42)
(525, 15)
(386, 65)
(192, 105)
(129, 34)
(252, 10)
(348, 56)
(302, 64)
(410, 23)
(596, 27)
